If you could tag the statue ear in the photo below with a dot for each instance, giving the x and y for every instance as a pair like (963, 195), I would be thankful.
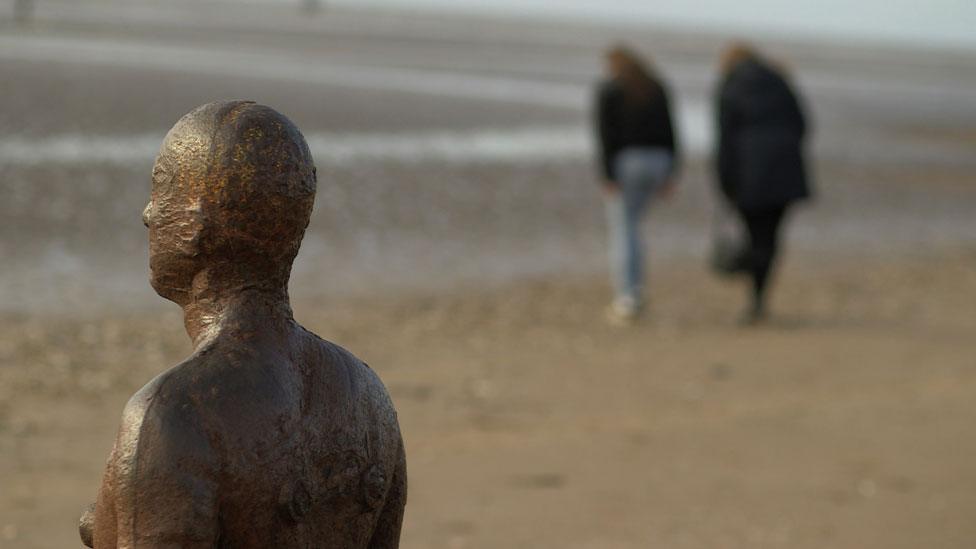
(196, 229)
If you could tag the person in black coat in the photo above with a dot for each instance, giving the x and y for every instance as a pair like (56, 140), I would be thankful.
(638, 160)
(761, 168)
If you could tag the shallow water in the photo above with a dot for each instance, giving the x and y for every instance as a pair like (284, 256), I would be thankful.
(939, 22)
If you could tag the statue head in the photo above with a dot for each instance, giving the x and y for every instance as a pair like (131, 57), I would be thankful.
(232, 193)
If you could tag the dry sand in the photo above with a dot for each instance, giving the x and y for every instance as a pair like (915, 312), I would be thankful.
(847, 422)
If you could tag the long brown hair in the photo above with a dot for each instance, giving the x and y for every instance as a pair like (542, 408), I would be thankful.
(632, 73)
(734, 54)
(737, 52)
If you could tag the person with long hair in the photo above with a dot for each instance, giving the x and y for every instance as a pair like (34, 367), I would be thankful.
(638, 160)
(760, 162)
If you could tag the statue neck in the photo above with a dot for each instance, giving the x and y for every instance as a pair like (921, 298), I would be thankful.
(244, 312)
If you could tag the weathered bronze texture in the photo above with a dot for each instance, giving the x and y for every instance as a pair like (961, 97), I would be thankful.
(266, 436)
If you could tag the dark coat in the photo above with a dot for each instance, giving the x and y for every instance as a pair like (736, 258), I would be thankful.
(761, 131)
(622, 123)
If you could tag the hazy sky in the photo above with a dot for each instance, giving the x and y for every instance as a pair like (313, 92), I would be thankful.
(943, 22)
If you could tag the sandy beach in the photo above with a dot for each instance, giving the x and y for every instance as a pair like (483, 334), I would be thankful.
(531, 423)
(457, 246)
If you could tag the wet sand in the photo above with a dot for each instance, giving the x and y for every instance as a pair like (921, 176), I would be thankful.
(473, 282)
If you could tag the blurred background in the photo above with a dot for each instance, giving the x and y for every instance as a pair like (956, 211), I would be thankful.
(458, 247)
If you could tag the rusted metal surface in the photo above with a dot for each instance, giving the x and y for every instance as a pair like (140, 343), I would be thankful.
(266, 436)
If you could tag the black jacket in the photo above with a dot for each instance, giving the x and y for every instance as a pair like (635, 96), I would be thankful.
(622, 123)
(761, 131)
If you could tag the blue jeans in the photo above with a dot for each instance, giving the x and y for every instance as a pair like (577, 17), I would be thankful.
(640, 174)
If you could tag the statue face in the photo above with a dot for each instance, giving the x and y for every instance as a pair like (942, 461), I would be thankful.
(232, 191)
(174, 220)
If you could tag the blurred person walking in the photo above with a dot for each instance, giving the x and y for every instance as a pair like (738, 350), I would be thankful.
(638, 162)
(760, 161)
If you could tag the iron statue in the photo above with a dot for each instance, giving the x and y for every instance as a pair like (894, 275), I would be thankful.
(266, 436)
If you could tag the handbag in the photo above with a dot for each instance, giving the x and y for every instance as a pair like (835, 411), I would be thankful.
(727, 256)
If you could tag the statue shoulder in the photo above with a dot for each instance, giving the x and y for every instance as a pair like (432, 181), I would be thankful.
(166, 413)
(164, 469)
(357, 379)
(357, 370)
(166, 394)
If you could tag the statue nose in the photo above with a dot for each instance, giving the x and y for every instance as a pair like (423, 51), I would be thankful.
(145, 214)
